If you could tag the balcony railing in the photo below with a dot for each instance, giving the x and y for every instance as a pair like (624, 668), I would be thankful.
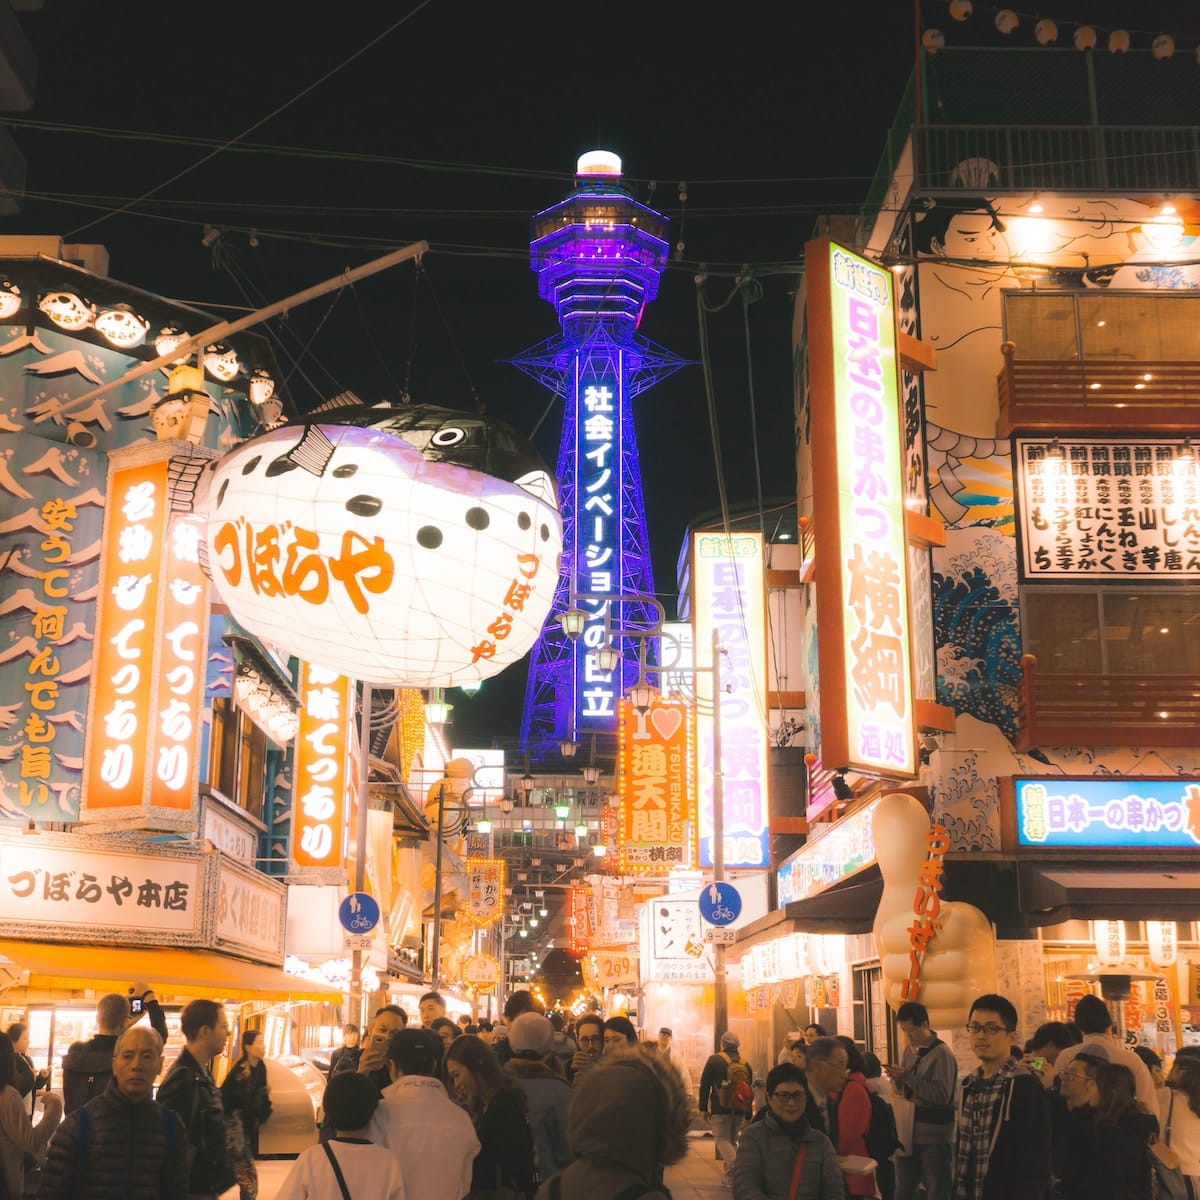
(1097, 394)
(1106, 710)
(1064, 158)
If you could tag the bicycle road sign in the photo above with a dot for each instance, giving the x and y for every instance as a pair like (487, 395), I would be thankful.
(358, 913)
(720, 903)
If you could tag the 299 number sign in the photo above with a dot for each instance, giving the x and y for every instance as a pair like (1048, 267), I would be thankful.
(615, 968)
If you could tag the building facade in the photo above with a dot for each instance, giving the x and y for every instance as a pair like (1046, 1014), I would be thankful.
(1044, 265)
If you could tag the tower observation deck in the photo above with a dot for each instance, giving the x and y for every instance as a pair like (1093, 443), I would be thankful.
(598, 256)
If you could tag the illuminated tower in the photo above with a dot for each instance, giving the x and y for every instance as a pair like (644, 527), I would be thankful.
(598, 255)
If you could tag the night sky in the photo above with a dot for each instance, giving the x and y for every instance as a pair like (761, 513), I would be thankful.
(454, 128)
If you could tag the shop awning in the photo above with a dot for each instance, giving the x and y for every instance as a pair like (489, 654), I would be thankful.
(170, 971)
(1163, 890)
(847, 907)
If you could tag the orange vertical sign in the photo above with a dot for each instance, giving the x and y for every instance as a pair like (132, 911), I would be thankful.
(322, 750)
(120, 720)
(654, 782)
(179, 667)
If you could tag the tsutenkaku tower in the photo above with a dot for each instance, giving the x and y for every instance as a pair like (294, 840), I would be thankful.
(598, 255)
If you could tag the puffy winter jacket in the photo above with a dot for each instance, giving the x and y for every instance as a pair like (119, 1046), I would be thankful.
(127, 1153)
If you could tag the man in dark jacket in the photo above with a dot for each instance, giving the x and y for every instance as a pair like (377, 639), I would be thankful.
(190, 1091)
(722, 1119)
(88, 1066)
(1003, 1148)
(120, 1145)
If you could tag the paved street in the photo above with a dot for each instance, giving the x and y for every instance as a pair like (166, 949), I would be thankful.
(698, 1177)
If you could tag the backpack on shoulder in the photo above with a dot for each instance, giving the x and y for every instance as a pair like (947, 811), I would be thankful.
(86, 1072)
(734, 1091)
(883, 1136)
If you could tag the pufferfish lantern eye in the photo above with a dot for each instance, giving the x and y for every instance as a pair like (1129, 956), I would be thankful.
(450, 435)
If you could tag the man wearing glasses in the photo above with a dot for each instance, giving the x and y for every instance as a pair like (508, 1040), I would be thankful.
(1003, 1150)
(589, 1033)
(927, 1075)
(782, 1155)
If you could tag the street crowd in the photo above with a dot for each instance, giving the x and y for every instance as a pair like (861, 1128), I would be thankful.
(534, 1109)
(1073, 1114)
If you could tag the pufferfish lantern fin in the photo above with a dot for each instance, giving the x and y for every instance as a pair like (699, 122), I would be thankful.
(312, 452)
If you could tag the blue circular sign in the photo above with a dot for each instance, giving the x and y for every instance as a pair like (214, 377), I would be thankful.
(359, 913)
(720, 903)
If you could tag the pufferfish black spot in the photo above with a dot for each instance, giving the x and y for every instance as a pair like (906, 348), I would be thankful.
(524, 520)
(364, 506)
(345, 471)
(545, 533)
(477, 518)
(221, 491)
(429, 536)
(281, 466)
(250, 464)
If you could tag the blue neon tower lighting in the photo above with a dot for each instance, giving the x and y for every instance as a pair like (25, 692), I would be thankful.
(598, 255)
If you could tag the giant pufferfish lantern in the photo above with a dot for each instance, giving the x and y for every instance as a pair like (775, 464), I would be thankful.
(401, 545)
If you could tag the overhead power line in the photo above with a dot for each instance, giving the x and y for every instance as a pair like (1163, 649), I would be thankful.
(261, 121)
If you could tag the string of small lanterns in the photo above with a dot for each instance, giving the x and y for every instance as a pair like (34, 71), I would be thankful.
(1047, 31)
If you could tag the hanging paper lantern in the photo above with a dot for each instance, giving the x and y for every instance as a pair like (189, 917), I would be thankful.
(1161, 943)
(1007, 20)
(1046, 32)
(67, 310)
(168, 340)
(960, 10)
(1085, 38)
(403, 546)
(933, 40)
(1118, 41)
(1163, 46)
(121, 326)
(10, 299)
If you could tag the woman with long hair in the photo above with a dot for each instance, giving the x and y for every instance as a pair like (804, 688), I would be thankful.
(504, 1168)
(1179, 1116)
(247, 1105)
(1124, 1132)
(19, 1137)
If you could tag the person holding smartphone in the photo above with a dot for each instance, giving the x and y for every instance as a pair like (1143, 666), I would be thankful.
(928, 1076)
(589, 1033)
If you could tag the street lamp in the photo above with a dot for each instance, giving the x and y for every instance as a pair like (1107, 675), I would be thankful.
(567, 749)
(527, 783)
(607, 658)
(591, 774)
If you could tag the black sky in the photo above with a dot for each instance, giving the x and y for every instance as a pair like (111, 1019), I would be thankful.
(770, 112)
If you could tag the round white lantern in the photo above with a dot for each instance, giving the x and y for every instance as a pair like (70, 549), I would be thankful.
(1085, 38)
(1046, 32)
(933, 40)
(1163, 46)
(1118, 41)
(1007, 20)
(411, 546)
(1161, 943)
(960, 10)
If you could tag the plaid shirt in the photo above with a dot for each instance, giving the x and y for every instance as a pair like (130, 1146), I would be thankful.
(980, 1097)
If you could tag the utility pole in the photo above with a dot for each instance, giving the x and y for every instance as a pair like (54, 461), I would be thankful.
(720, 990)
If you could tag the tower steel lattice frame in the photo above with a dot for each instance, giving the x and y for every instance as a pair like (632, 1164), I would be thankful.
(598, 255)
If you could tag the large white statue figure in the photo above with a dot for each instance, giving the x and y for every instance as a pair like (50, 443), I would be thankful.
(958, 962)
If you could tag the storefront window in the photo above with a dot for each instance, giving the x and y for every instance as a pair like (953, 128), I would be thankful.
(237, 757)
(1113, 631)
